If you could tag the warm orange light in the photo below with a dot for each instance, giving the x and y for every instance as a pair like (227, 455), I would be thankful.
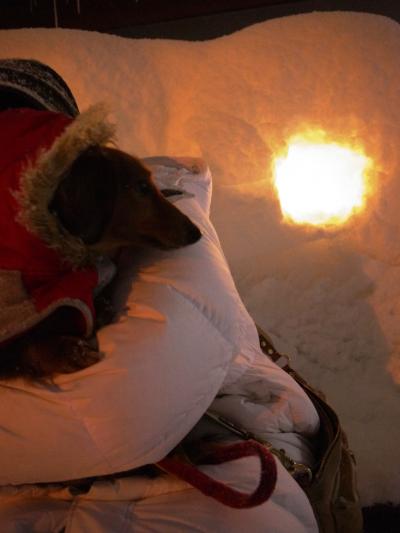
(320, 183)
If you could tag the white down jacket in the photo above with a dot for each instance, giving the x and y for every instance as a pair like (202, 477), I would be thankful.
(183, 342)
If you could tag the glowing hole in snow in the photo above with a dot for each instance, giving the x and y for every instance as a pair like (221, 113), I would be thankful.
(320, 183)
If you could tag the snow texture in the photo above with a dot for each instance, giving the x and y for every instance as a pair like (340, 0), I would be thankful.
(329, 297)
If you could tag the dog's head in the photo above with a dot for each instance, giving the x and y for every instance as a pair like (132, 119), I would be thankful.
(108, 199)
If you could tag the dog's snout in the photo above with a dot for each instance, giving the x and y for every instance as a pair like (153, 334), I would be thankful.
(193, 234)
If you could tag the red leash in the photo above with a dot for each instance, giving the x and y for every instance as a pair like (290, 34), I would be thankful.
(218, 490)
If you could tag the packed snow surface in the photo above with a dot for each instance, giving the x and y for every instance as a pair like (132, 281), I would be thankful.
(329, 296)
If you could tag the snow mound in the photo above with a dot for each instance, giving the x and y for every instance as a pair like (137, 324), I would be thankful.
(329, 297)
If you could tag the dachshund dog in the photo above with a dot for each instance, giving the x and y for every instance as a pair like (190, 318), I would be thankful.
(109, 200)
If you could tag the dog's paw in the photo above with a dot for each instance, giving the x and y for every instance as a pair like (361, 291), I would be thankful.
(76, 354)
(42, 358)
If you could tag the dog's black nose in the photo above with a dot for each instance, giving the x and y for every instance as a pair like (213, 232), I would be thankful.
(193, 234)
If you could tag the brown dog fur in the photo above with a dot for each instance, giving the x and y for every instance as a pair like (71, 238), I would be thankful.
(109, 200)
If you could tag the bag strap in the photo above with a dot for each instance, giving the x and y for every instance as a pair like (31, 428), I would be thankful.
(333, 491)
(220, 491)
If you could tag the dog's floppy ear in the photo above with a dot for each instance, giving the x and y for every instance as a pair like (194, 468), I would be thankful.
(84, 200)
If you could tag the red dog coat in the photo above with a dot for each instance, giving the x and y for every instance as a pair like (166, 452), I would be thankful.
(42, 267)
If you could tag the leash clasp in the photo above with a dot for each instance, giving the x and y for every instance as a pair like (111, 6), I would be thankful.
(299, 471)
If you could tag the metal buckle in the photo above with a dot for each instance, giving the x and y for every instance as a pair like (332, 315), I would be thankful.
(299, 471)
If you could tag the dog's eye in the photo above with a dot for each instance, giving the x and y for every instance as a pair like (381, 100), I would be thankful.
(142, 187)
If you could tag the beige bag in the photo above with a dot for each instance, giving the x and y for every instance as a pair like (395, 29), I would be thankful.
(333, 490)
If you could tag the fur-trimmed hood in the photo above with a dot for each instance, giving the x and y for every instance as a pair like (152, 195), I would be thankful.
(59, 141)
(43, 267)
